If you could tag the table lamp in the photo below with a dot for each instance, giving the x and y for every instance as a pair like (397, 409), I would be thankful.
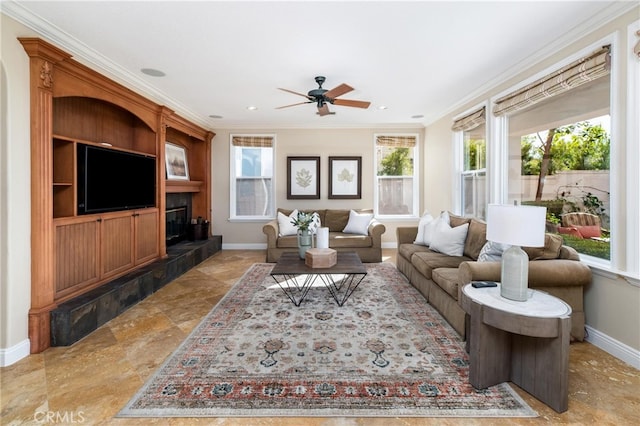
(516, 226)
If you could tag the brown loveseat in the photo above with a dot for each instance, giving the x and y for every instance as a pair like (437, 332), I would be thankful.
(368, 247)
(555, 269)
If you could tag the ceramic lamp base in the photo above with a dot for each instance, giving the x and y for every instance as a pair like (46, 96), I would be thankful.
(515, 274)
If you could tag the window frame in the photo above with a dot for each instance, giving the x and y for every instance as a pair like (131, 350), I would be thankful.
(415, 178)
(459, 170)
(233, 217)
(621, 263)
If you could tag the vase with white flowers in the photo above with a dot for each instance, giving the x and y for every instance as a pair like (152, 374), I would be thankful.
(303, 222)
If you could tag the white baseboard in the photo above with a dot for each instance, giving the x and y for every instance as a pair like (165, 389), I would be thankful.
(612, 346)
(15, 353)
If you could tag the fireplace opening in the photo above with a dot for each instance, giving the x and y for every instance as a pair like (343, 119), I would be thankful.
(176, 225)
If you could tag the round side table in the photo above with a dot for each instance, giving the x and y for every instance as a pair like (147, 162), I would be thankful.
(526, 343)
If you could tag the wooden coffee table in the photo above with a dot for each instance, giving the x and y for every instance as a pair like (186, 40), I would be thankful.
(295, 278)
(523, 342)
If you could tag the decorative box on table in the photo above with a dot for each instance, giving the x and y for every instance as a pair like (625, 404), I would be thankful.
(320, 257)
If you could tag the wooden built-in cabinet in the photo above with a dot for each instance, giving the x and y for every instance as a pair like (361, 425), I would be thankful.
(73, 253)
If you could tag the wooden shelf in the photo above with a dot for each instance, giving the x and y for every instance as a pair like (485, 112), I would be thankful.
(173, 186)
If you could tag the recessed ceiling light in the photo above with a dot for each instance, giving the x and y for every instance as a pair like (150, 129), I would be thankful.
(252, 107)
(417, 116)
(382, 107)
(215, 116)
(152, 72)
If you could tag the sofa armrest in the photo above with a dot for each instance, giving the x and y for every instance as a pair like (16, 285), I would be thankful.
(271, 231)
(406, 234)
(376, 229)
(542, 273)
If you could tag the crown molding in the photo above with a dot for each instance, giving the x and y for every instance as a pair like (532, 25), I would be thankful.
(94, 60)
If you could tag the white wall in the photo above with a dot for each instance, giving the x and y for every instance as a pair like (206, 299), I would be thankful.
(15, 200)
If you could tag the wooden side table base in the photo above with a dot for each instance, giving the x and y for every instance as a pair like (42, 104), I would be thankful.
(530, 351)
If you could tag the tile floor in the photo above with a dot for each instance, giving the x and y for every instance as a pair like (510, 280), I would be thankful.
(89, 382)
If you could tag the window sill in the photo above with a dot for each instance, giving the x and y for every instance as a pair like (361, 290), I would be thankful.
(251, 219)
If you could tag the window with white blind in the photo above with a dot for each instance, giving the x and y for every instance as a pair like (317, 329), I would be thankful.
(252, 186)
(559, 146)
(471, 130)
(396, 191)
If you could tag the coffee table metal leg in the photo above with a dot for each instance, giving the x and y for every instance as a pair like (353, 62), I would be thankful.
(349, 281)
(291, 286)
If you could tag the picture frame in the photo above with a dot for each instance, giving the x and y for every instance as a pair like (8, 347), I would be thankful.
(345, 178)
(303, 178)
(175, 158)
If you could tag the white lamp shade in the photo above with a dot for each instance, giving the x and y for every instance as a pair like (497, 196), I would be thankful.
(516, 225)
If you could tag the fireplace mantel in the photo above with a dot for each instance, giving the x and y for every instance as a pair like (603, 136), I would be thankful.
(174, 186)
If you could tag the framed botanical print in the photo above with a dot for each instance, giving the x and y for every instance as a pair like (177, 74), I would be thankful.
(303, 178)
(345, 177)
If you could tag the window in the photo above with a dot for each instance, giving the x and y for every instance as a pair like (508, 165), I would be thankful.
(559, 147)
(396, 175)
(473, 170)
(252, 159)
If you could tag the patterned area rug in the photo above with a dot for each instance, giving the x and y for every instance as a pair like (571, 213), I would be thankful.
(386, 352)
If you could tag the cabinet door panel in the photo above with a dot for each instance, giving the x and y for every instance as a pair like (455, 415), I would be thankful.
(117, 244)
(146, 235)
(76, 256)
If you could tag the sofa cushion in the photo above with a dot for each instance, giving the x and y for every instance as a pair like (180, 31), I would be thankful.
(551, 249)
(492, 252)
(476, 239)
(320, 212)
(336, 220)
(447, 279)
(430, 228)
(426, 261)
(407, 250)
(455, 221)
(339, 239)
(424, 221)
(285, 227)
(449, 240)
(358, 223)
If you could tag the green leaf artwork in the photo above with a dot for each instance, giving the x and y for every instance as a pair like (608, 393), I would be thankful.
(345, 176)
(303, 178)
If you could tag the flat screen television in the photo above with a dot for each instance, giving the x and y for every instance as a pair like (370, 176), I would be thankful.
(111, 180)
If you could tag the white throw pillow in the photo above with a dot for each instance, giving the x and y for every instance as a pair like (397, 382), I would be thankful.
(431, 227)
(358, 223)
(492, 251)
(315, 224)
(285, 227)
(424, 221)
(448, 240)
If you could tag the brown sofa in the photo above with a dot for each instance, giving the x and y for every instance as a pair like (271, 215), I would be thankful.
(555, 269)
(368, 247)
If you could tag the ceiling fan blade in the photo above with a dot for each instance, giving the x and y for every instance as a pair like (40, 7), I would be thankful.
(299, 103)
(324, 110)
(338, 91)
(296, 93)
(351, 103)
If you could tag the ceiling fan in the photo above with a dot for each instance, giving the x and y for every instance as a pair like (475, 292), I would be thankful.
(322, 97)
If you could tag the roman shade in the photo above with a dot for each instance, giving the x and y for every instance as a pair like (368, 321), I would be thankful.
(252, 141)
(577, 73)
(470, 121)
(396, 141)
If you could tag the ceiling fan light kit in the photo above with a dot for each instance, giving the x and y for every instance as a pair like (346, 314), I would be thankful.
(321, 97)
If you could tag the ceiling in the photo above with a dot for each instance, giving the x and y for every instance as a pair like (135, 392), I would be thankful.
(420, 60)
